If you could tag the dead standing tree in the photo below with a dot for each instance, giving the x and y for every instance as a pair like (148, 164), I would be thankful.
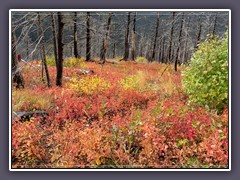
(41, 33)
(75, 50)
(105, 41)
(155, 38)
(126, 52)
(134, 38)
(179, 43)
(199, 33)
(17, 76)
(88, 40)
(54, 39)
(171, 39)
(59, 65)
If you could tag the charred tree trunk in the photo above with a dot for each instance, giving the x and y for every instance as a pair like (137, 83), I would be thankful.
(114, 50)
(88, 43)
(126, 53)
(60, 50)
(43, 51)
(17, 76)
(134, 38)
(179, 44)
(75, 45)
(27, 43)
(214, 26)
(141, 46)
(155, 38)
(163, 50)
(105, 41)
(185, 49)
(199, 34)
(54, 39)
(160, 51)
(171, 39)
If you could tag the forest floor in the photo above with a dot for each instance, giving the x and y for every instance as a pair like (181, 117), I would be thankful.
(123, 115)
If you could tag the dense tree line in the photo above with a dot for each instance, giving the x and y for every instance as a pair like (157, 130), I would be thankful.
(166, 37)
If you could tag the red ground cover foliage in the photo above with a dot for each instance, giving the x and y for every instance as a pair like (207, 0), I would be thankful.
(152, 127)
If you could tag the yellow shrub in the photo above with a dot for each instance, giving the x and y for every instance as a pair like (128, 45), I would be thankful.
(75, 62)
(141, 59)
(137, 82)
(88, 85)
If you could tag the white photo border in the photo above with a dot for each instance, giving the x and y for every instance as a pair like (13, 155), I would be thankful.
(120, 10)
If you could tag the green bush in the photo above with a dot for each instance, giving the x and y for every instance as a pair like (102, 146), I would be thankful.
(140, 59)
(50, 60)
(206, 79)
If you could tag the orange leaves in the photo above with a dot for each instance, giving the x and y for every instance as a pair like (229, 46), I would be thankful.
(117, 127)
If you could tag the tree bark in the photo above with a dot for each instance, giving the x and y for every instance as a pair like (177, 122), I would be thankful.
(185, 48)
(171, 37)
(126, 53)
(60, 50)
(76, 55)
(105, 41)
(160, 51)
(214, 26)
(179, 43)
(163, 50)
(17, 76)
(88, 40)
(155, 38)
(43, 51)
(199, 33)
(54, 39)
(134, 38)
(114, 50)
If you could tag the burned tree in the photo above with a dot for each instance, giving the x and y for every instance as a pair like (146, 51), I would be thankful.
(126, 52)
(114, 50)
(41, 32)
(54, 39)
(75, 49)
(155, 38)
(105, 41)
(199, 33)
(214, 25)
(59, 65)
(17, 76)
(179, 43)
(171, 39)
(88, 40)
(134, 38)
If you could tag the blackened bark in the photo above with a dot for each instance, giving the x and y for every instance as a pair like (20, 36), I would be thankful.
(43, 51)
(105, 41)
(134, 38)
(160, 51)
(126, 53)
(179, 43)
(76, 55)
(185, 48)
(88, 43)
(163, 50)
(60, 50)
(214, 26)
(155, 38)
(17, 76)
(114, 50)
(171, 37)
(141, 46)
(54, 39)
(199, 33)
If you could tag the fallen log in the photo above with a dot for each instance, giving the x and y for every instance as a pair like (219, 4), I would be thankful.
(26, 116)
